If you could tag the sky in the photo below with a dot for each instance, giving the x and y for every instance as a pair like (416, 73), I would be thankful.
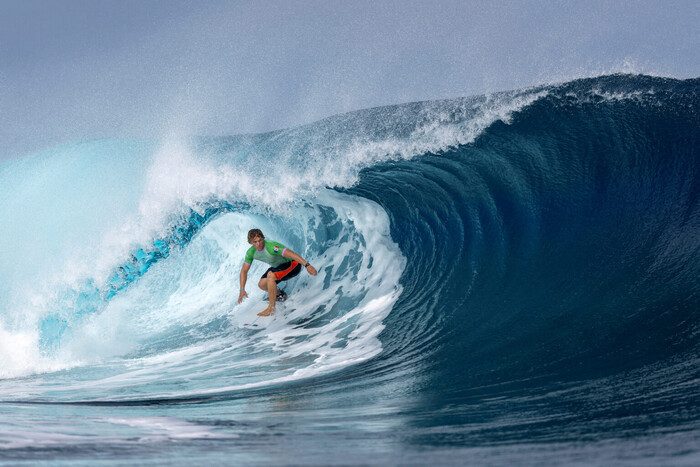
(79, 69)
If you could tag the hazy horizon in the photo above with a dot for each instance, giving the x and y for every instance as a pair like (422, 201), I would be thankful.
(77, 69)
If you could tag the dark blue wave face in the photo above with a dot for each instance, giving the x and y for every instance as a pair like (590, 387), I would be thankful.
(562, 247)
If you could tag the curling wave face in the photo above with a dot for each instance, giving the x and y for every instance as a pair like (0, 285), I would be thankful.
(130, 204)
(487, 265)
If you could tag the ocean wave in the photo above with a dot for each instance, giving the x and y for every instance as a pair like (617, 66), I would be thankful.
(535, 239)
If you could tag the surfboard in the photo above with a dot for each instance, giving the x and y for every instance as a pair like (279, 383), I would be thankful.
(249, 318)
(258, 323)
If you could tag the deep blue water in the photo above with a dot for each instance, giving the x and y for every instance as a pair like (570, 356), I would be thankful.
(509, 278)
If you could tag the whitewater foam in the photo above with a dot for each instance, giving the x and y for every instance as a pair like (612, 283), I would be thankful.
(177, 322)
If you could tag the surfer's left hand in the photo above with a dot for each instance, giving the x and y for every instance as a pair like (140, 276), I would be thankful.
(241, 295)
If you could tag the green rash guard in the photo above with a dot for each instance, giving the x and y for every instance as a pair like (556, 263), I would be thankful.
(270, 254)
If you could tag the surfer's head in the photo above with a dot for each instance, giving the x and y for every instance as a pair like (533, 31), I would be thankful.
(256, 238)
(254, 233)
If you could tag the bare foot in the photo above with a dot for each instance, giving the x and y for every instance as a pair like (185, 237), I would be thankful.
(267, 311)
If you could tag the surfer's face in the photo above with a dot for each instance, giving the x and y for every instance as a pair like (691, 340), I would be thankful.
(258, 243)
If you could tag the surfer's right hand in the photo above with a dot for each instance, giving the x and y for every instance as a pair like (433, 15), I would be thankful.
(241, 295)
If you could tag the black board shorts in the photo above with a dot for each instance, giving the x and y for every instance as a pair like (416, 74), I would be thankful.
(284, 271)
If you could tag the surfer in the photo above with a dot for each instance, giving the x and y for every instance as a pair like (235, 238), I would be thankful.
(284, 264)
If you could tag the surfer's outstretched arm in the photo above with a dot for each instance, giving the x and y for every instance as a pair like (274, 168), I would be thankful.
(291, 255)
(244, 279)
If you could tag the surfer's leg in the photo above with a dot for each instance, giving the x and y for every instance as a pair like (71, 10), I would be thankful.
(272, 288)
(271, 291)
(263, 280)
